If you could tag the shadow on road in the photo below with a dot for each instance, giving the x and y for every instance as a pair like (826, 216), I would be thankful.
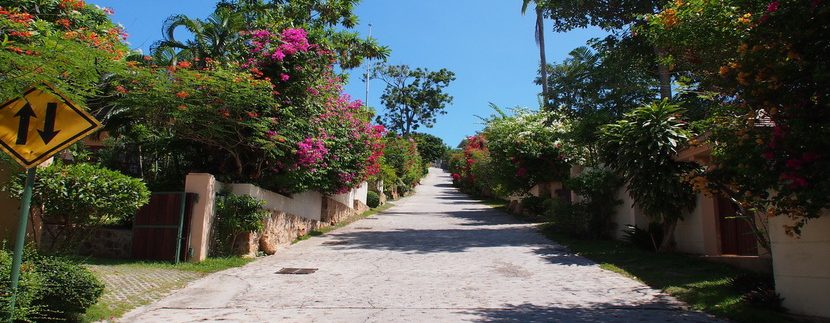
(657, 312)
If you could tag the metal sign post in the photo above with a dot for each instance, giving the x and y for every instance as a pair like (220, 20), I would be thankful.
(34, 127)
(25, 206)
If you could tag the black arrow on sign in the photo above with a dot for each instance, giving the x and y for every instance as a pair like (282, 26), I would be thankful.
(48, 133)
(24, 114)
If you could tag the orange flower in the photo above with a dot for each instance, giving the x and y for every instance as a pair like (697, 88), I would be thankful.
(182, 95)
(724, 70)
(184, 64)
(182, 107)
(121, 89)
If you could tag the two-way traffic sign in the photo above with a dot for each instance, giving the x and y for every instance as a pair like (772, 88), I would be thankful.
(41, 123)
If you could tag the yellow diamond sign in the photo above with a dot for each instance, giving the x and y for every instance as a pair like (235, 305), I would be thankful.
(41, 123)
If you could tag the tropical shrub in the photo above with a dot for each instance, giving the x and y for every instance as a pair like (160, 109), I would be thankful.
(401, 154)
(235, 215)
(534, 204)
(525, 149)
(29, 289)
(598, 189)
(68, 288)
(641, 149)
(372, 199)
(79, 196)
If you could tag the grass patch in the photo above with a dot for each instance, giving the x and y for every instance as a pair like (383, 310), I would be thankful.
(704, 285)
(210, 265)
(317, 233)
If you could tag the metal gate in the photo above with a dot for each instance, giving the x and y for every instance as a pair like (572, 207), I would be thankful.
(161, 229)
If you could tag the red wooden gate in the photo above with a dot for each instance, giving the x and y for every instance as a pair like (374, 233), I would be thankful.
(736, 235)
(161, 229)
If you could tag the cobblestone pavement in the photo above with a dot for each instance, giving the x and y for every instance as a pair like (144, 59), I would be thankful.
(437, 256)
(130, 287)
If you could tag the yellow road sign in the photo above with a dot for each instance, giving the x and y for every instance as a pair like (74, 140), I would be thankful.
(41, 123)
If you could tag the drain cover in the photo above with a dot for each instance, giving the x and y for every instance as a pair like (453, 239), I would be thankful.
(363, 228)
(335, 243)
(296, 271)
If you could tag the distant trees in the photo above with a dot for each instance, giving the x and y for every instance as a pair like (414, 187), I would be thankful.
(413, 97)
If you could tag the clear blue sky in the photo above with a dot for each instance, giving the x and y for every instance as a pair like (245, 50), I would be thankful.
(487, 43)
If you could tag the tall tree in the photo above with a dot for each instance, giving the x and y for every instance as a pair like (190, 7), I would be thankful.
(619, 18)
(540, 42)
(413, 97)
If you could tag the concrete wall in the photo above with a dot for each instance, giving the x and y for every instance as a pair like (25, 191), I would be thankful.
(307, 205)
(345, 198)
(361, 192)
(290, 218)
(802, 266)
(691, 235)
(627, 214)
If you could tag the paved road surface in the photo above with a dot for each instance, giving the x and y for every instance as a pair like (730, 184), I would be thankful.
(437, 256)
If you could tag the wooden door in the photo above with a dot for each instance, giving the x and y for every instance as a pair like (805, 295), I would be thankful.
(156, 227)
(736, 235)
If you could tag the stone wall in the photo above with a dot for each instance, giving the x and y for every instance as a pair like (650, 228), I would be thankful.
(99, 242)
(335, 212)
(281, 229)
(108, 243)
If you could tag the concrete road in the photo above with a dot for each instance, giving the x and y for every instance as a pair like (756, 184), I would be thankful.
(437, 256)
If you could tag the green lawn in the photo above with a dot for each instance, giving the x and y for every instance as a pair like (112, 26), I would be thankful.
(704, 285)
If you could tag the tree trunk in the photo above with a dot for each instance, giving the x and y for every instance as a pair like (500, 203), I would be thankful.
(540, 38)
(664, 75)
(668, 236)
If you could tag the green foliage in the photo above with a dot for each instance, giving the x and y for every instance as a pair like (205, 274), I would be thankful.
(645, 239)
(641, 149)
(571, 219)
(534, 204)
(235, 215)
(50, 288)
(29, 289)
(76, 48)
(430, 147)
(598, 189)
(764, 64)
(401, 156)
(84, 194)
(595, 86)
(413, 98)
(525, 149)
(68, 288)
(372, 199)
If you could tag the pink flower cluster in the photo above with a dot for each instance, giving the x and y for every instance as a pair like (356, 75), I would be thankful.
(310, 152)
(291, 41)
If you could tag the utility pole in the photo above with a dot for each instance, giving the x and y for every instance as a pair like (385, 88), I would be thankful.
(368, 67)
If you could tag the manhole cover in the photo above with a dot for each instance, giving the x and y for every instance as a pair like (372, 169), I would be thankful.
(296, 271)
(335, 243)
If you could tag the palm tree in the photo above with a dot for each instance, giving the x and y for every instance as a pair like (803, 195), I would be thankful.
(213, 37)
(540, 42)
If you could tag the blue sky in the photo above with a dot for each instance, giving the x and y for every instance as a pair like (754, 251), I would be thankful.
(487, 43)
